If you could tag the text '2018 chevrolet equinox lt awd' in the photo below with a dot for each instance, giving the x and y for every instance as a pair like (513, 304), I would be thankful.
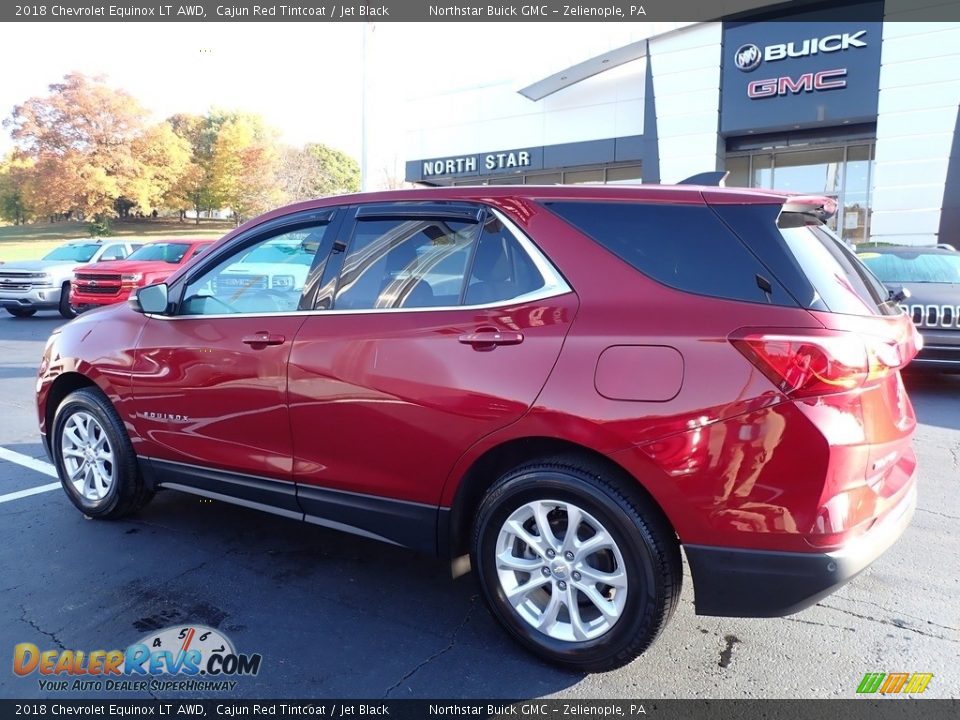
(563, 384)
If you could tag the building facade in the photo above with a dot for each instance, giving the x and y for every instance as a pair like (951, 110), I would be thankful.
(862, 104)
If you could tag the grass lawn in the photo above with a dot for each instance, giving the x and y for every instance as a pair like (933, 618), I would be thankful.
(31, 242)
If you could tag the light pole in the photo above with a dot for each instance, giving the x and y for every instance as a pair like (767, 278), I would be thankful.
(365, 180)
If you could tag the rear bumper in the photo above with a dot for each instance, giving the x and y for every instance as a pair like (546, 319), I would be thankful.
(937, 356)
(732, 582)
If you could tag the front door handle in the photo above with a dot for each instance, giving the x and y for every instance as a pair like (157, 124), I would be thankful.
(487, 339)
(263, 339)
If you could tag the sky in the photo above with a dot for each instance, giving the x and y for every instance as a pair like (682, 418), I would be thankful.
(305, 78)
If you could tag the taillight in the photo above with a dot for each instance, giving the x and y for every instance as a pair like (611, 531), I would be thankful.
(804, 365)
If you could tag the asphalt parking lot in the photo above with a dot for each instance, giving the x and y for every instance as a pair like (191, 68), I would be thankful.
(336, 616)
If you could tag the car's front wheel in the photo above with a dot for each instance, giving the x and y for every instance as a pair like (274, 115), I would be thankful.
(94, 457)
(579, 569)
(65, 309)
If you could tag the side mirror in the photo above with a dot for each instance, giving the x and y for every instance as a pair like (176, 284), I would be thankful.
(151, 300)
(898, 296)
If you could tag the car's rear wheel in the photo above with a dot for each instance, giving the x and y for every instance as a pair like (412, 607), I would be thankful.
(579, 569)
(94, 457)
(65, 309)
(21, 312)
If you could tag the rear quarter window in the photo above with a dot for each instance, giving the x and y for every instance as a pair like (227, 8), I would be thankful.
(684, 247)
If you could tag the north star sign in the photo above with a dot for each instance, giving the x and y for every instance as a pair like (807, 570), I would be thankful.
(471, 164)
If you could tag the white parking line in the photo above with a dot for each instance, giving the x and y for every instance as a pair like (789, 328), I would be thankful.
(28, 492)
(37, 466)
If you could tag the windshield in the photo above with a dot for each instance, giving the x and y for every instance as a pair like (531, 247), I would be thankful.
(280, 253)
(914, 267)
(167, 252)
(73, 253)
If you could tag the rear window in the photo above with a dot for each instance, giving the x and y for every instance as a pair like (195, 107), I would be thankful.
(685, 247)
(840, 281)
(914, 267)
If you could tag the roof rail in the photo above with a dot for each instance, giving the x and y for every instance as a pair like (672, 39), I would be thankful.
(706, 178)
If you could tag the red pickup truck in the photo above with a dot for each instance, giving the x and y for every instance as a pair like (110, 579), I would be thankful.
(99, 284)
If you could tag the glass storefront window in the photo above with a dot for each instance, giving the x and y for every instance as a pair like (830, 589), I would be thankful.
(624, 174)
(856, 194)
(762, 171)
(842, 172)
(739, 172)
(809, 171)
(544, 179)
(577, 177)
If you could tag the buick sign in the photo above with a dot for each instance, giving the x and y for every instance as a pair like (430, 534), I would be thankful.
(748, 57)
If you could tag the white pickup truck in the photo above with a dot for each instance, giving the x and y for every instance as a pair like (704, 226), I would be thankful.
(30, 285)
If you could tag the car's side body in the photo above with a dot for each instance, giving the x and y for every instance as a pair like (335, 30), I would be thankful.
(395, 423)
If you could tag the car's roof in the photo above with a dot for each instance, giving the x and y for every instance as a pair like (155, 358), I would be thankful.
(673, 193)
(905, 250)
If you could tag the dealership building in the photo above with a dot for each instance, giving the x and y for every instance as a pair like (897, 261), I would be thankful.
(860, 103)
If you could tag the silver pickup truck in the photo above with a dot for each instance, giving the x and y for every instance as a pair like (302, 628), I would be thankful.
(30, 285)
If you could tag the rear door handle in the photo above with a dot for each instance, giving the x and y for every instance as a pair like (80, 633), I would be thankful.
(263, 338)
(489, 339)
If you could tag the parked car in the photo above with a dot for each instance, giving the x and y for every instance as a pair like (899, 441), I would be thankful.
(32, 285)
(616, 372)
(931, 277)
(105, 283)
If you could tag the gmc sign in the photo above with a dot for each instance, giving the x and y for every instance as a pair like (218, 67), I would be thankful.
(808, 82)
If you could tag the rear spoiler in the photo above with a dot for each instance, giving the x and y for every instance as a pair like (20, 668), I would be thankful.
(706, 178)
(818, 206)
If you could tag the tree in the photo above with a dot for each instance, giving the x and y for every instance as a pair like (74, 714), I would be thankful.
(14, 177)
(90, 145)
(317, 170)
(244, 166)
(194, 189)
(163, 159)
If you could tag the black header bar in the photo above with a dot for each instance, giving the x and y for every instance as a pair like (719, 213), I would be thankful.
(639, 11)
(891, 708)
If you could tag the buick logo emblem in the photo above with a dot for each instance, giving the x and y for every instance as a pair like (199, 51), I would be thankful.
(748, 57)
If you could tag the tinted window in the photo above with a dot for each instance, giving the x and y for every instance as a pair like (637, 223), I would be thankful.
(501, 269)
(408, 263)
(841, 281)
(167, 252)
(914, 267)
(114, 252)
(685, 247)
(75, 253)
(266, 277)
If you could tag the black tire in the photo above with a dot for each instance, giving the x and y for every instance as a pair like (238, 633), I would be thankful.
(65, 309)
(128, 492)
(21, 312)
(646, 542)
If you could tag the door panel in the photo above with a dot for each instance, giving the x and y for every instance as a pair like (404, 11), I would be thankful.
(210, 383)
(384, 403)
(204, 394)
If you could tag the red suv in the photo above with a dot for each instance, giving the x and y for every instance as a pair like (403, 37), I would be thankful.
(99, 284)
(556, 386)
